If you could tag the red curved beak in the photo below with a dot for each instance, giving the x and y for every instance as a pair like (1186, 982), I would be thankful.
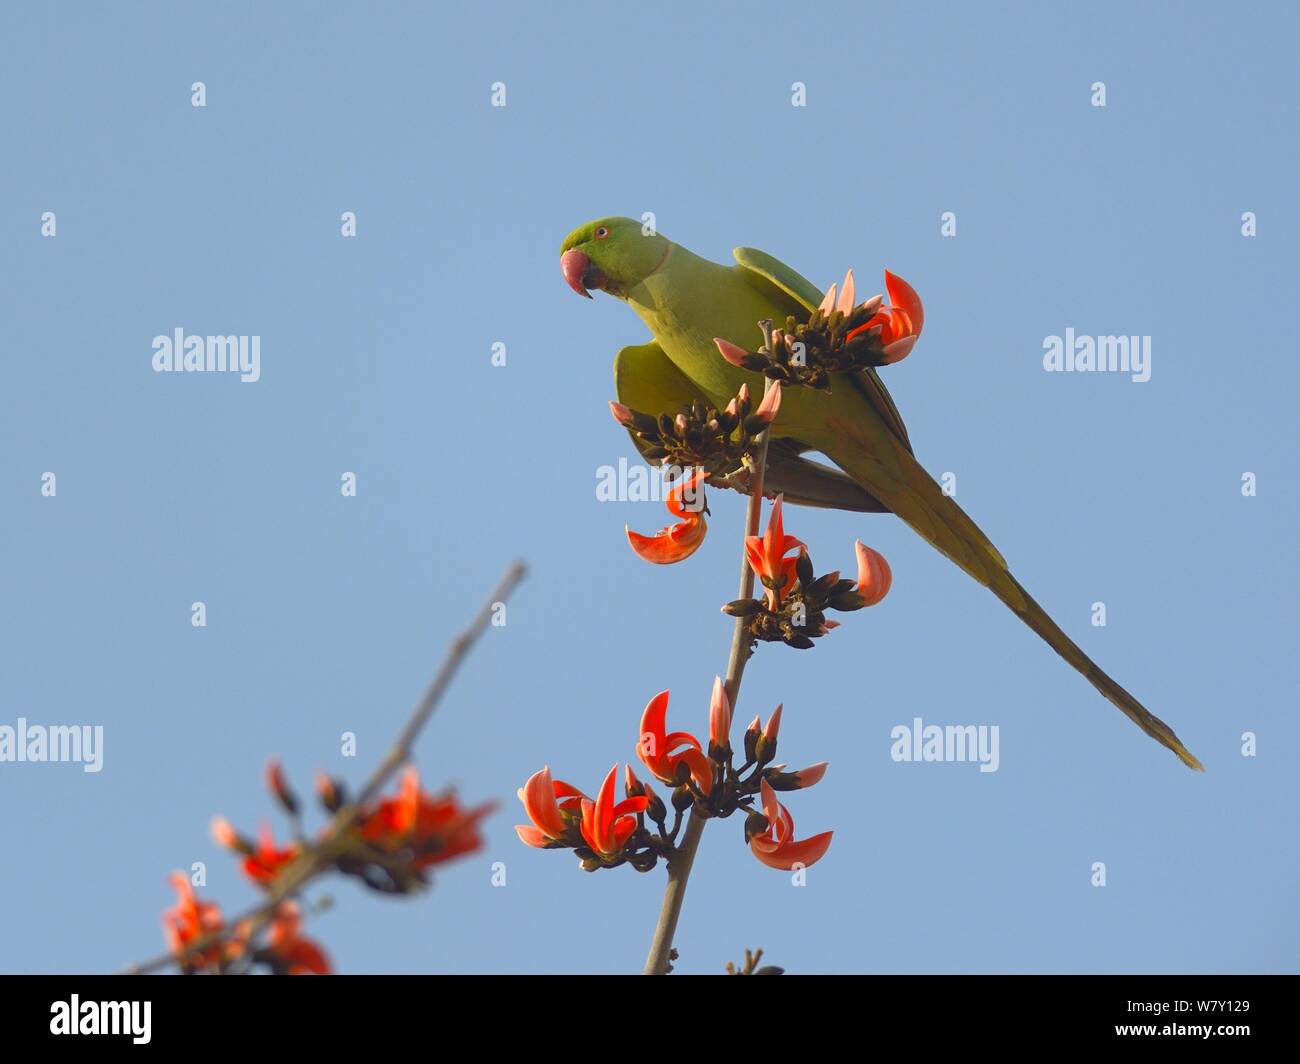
(574, 264)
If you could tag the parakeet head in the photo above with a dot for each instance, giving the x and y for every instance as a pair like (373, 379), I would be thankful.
(612, 254)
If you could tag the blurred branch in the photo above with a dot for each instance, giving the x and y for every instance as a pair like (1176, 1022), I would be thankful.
(319, 857)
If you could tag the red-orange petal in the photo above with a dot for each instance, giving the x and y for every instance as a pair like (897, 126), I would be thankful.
(538, 796)
(807, 852)
(632, 805)
(874, 575)
(903, 296)
(670, 545)
(531, 836)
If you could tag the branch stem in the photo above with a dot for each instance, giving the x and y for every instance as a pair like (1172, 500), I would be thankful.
(659, 962)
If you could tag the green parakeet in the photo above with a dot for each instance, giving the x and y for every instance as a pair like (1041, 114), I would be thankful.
(687, 301)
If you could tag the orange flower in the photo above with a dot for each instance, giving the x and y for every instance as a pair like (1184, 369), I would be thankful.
(605, 825)
(188, 921)
(657, 749)
(679, 541)
(900, 322)
(767, 556)
(776, 847)
(288, 950)
(874, 575)
(266, 860)
(435, 827)
(539, 796)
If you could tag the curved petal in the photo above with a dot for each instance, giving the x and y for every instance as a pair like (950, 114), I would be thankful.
(604, 813)
(898, 350)
(531, 836)
(903, 296)
(680, 738)
(588, 824)
(806, 853)
(652, 747)
(632, 805)
(622, 831)
(669, 545)
(874, 575)
(538, 796)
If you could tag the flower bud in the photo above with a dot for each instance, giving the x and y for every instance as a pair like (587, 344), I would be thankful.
(733, 354)
(719, 719)
(656, 810)
(278, 786)
(811, 775)
(765, 747)
(803, 568)
(755, 824)
(631, 785)
(330, 792)
(224, 833)
(770, 406)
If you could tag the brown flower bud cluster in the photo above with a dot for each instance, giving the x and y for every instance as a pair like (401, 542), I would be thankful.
(701, 436)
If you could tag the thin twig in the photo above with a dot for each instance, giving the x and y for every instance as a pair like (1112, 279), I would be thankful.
(315, 860)
(659, 962)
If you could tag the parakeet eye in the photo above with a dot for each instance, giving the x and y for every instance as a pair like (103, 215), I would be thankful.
(602, 231)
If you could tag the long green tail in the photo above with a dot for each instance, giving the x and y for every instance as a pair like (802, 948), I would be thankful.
(902, 484)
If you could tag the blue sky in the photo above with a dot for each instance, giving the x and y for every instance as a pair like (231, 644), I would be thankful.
(327, 614)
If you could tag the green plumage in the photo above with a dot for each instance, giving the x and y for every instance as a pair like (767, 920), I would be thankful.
(686, 301)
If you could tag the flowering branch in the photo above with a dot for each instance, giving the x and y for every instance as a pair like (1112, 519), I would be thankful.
(725, 446)
(398, 836)
(659, 961)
